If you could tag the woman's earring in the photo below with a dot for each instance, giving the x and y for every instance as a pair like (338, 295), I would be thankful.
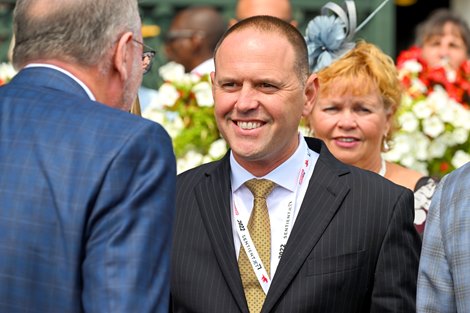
(385, 144)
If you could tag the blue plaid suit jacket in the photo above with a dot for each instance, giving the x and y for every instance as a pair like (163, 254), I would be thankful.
(444, 272)
(86, 201)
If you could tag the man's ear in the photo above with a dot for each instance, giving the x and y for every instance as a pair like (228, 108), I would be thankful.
(122, 60)
(311, 94)
(212, 75)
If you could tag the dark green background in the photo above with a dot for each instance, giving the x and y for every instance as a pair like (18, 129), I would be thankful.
(380, 30)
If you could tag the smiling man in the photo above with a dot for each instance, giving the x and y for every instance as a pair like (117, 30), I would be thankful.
(280, 225)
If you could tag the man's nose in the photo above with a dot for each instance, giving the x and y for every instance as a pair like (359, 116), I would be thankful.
(247, 99)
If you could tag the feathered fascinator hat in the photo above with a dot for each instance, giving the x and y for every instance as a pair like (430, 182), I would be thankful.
(329, 37)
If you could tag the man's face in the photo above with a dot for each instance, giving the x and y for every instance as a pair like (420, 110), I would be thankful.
(179, 43)
(259, 98)
(279, 8)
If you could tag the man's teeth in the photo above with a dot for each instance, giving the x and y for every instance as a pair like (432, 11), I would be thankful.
(346, 139)
(249, 125)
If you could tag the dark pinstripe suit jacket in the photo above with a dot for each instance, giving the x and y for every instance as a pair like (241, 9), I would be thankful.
(353, 247)
(86, 202)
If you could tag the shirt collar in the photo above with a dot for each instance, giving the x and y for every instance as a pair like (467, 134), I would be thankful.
(285, 175)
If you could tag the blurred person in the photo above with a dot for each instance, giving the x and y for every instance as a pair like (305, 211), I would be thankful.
(277, 8)
(358, 97)
(192, 37)
(444, 39)
(279, 224)
(86, 189)
(443, 279)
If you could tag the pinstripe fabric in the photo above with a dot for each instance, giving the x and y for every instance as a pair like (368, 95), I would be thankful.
(86, 202)
(444, 272)
(353, 247)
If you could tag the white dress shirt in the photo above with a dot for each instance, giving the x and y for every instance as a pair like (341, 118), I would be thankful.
(286, 177)
(205, 67)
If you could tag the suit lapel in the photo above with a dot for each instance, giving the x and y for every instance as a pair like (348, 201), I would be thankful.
(213, 195)
(322, 199)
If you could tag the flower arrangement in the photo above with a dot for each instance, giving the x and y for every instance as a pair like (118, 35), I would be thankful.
(6, 73)
(433, 118)
(185, 108)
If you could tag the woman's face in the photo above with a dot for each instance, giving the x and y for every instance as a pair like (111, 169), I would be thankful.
(352, 124)
(446, 49)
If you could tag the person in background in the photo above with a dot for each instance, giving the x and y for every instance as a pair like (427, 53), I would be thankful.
(443, 279)
(279, 224)
(439, 59)
(192, 38)
(358, 97)
(86, 188)
(279, 8)
(444, 39)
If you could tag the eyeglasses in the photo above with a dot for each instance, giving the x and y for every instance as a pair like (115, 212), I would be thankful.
(181, 34)
(147, 57)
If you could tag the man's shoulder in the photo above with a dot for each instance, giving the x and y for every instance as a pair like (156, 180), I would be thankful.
(199, 172)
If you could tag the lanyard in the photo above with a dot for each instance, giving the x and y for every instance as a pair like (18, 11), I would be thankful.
(244, 234)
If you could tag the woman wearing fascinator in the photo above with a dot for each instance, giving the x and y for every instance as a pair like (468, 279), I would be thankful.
(359, 93)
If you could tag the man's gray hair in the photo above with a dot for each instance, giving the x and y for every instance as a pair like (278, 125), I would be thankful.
(78, 31)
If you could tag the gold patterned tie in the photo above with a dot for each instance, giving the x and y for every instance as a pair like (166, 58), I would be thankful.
(260, 232)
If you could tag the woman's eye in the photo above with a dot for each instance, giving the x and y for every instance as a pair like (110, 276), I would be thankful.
(330, 109)
(363, 110)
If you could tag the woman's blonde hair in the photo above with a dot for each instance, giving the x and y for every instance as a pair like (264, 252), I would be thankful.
(363, 69)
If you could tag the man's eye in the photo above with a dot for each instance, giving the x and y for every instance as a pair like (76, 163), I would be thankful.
(267, 87)
(228, 85)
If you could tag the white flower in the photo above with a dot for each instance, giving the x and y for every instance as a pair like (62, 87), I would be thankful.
(433, 126)
(173, 124)
(402, 143)
(189, 79)
(449, 113)
(217, 149)
(418, 86)
(190, 160)
(172, 71)
(462, 119)
(459, 136)
(422, 109)
(155, 115)
(408, 122)
(460, 158)
(438, 147)
(412, 66)
(420, 145)
(167, 95)
(203, 93)
(7, 71)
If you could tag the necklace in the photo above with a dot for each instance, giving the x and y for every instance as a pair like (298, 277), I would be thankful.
(383, 168)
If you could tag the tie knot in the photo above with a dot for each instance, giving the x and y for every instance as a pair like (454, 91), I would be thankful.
(260, 188)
